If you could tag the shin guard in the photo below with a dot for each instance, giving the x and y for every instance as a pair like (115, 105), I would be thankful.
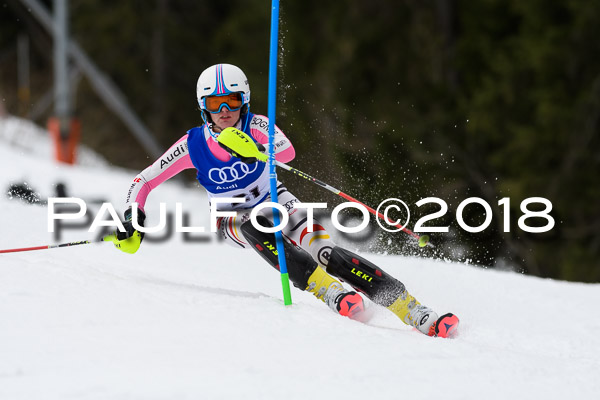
(300, 264)
(364, 276)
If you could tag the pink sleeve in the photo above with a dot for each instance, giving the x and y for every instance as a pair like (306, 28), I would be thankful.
(284, 151)
(175, 160)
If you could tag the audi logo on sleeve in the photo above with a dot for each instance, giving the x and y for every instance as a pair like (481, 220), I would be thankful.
(237, 171)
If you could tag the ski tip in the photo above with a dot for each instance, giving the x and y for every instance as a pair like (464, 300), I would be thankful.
(423, 240)
(446, 326)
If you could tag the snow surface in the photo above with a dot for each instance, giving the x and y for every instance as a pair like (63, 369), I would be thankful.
(182, 320)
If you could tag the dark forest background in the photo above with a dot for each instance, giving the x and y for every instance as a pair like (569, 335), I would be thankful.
(407, 99)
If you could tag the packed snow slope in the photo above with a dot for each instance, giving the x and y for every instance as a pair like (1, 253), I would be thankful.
(201, 320)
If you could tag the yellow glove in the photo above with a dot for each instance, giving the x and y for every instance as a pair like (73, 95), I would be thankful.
(129, 245)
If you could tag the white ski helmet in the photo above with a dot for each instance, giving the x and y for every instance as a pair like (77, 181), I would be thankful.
(221, 80)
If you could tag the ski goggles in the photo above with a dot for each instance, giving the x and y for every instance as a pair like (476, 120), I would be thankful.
(214, 104)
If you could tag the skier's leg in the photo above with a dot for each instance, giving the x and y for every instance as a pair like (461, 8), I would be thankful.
(363, 276)
(389, 292)
(303, 271)
(228, 230)
(382, 288)
(316, 241)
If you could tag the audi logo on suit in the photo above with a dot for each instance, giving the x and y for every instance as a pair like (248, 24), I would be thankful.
(239, 170)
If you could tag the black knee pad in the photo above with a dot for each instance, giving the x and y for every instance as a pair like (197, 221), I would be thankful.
(364, 276)
(300, 264)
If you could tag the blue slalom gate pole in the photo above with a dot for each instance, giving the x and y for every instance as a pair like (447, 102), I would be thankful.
(285, 282)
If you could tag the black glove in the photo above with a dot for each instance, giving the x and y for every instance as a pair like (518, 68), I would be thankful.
(245, 160)
(128, 225)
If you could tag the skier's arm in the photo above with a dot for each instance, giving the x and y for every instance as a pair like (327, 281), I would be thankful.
(259, 129)
(175, 160)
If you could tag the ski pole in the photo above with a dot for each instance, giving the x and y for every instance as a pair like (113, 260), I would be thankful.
(54, 246)
(240, 145)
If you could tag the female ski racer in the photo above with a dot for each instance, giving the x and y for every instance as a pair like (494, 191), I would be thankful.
(313, 258)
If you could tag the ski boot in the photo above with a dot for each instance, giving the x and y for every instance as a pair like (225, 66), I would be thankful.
(331, 292)
(413, 313)
(424, 318)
